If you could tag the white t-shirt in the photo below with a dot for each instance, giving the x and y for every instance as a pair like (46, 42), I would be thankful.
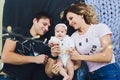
(89, 43)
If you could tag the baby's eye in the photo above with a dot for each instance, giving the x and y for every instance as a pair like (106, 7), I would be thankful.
(57, 31)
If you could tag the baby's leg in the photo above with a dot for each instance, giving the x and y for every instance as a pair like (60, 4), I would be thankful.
(62, 70)
(70, 69)
(77, 64)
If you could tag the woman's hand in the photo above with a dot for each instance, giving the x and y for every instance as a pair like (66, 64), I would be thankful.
(74, 55)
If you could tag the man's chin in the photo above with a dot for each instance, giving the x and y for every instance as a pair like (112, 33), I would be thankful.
(42, 33)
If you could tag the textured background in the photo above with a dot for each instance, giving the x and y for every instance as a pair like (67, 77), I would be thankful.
(109, 13)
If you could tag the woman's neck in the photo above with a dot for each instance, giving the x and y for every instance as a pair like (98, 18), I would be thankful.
(83, 29)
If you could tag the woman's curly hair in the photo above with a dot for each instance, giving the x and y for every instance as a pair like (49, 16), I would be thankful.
(86, 10)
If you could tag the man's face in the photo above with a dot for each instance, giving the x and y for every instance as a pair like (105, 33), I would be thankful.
(41, 26)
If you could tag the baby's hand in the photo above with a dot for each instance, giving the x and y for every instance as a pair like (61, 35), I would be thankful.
(51, 44)
(53, 41)
(69, 49)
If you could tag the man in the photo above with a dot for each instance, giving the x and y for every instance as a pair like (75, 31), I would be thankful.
(24, 57)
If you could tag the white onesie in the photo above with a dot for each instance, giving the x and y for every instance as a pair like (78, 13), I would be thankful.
(65, 44)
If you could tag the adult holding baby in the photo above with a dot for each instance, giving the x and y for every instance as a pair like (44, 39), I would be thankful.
(93, 42)
(67, 66)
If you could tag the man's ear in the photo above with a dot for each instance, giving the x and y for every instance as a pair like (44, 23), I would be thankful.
(34, 20)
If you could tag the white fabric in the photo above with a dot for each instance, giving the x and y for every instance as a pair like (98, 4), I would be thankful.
(61, 24)
(92, 45)
(65, 44)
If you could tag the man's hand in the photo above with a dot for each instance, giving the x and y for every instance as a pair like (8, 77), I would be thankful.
(48, 67)
(41, 59)
(55, 50)
(55, 69)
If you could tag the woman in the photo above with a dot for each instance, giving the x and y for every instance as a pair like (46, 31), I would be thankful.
(93, 42)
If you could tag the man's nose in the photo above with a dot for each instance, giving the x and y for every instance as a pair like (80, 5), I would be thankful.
(46, 28)
(70, 22)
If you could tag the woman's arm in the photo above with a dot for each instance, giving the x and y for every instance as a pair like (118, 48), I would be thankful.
(104, 56)
(9, 55)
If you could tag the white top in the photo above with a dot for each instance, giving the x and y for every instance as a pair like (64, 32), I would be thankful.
(64, 43)
(89, 43)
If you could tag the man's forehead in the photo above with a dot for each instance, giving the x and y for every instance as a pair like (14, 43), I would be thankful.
(45, 20)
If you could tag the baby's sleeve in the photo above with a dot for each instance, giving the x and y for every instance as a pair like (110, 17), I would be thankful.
(71, 43)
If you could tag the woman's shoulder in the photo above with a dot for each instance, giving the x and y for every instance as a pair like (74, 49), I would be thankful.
(100, 25)
(102, 29)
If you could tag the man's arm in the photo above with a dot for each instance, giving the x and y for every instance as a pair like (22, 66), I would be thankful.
(51, 67)
(9, 55)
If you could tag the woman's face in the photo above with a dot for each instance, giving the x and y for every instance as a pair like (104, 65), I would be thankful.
(74, 20)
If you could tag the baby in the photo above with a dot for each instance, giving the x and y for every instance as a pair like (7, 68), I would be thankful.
(65, 42)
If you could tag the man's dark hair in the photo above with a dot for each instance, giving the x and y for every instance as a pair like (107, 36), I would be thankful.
(42, 15)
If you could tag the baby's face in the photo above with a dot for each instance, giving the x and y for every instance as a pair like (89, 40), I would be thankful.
(60, 32)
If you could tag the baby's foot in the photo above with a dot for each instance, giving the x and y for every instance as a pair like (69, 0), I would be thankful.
(66, 77)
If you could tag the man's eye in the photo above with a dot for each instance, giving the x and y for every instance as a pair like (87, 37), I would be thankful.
(44, 24)
(62, 32)
(70, 18)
